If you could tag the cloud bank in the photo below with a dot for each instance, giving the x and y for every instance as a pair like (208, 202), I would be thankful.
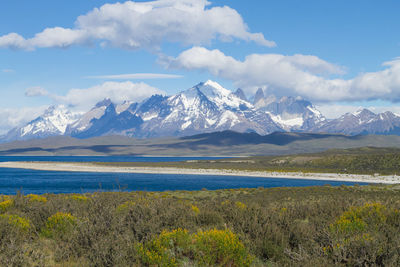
(14, 117)
(302, 75)
(84, 99)
(137, 25)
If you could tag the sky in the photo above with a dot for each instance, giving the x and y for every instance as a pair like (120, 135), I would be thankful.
(341, 55)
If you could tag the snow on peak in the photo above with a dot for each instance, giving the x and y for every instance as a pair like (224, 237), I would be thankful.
(287, 121)
(54, 120)
(215, 85)
(220, 95)
(362, 111)
(124, 106)
(213, 89)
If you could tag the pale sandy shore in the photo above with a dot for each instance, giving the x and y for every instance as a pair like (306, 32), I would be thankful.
(89, 167)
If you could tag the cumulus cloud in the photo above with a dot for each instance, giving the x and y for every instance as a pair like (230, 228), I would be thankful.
(35, 91)
(136, 76)
(14, 117)
(292, 75)
(136, 25)
(84, 99)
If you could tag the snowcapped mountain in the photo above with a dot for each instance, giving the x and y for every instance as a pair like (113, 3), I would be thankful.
(106, 118)
(362, 121)
(290, 113)
(206, 107)
(54, 121)
(85, 122)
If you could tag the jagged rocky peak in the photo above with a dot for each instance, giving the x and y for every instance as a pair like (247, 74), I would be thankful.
(105, 102)
(126, 105)
(259, 96)
(388, 115)
(363, 112)
(239, 93)
(85, 121)
(262, 100)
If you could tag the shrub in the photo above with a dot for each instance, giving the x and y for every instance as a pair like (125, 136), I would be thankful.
(78, 197)
(36, 198)
(126, 206)
(19, 223)
(204, 248)
(240, 205)
(357, 219)
(4, 205)
(360, 236)
(221, 247)
(164, 249)
(59, 224)
(195, 209)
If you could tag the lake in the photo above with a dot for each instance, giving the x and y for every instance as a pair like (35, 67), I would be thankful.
(39, 182)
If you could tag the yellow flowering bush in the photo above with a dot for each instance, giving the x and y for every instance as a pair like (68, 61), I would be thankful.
(128, 205)
(19, 223)
(240, 205)
(357, 219)
(36, 198)
(195, 209)
(59, 224)
(222, 248)
(204, 248)
(4, 205)
(357, 233)
(78, 197)
(4, 197)
(164, 249)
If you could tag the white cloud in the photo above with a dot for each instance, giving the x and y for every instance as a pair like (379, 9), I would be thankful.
(137, 76)
(292, 75)
(84, 99)
(35, 91)
(136, 25)
(13, 117)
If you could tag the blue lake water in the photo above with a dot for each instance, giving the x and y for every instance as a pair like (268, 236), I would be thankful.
(38, 182)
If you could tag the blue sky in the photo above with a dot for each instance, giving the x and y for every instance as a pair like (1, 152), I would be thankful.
(340, 47)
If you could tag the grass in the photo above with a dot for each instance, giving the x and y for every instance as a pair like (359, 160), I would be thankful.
(366, 160)
(311, 226)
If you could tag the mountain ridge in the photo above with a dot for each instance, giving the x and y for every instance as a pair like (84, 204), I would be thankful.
(204, 108)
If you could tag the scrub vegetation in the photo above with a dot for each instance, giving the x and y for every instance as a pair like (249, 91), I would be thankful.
(311, 226)
(366, 160)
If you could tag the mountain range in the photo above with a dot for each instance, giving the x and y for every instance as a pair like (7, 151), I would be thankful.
(206, 107)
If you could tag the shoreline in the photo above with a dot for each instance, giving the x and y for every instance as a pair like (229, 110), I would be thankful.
(88, 167)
